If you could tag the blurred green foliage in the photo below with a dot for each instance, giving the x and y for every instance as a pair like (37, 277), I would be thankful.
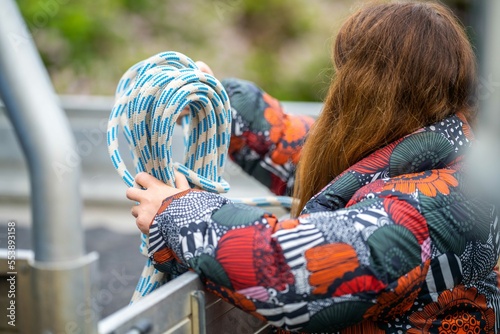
(280, 44)
(76, 30)
(283, 45)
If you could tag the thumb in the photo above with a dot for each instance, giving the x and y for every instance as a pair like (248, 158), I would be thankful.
(204, 67)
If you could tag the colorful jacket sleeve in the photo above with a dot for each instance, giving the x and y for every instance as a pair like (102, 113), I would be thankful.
(298, 274)
(265, 141)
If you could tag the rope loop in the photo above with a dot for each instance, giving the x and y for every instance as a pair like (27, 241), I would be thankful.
(149, 98)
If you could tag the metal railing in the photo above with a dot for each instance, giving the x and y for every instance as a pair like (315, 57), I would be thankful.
(100, 184)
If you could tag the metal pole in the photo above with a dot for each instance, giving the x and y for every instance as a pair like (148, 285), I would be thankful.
(62, 271)
(489, 65)
(485, 157)
(46, 138)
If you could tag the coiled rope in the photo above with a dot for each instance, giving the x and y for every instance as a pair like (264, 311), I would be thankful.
(149, 98)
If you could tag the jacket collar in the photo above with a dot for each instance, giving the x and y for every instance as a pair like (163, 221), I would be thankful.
(440, 145)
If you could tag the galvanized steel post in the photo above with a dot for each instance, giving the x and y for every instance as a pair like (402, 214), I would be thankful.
(62, 271)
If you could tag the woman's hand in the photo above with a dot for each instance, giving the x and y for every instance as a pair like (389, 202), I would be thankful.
(150, 198)
(205, 69)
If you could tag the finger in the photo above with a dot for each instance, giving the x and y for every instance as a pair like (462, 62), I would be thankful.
(134, 194)
(134, 211)
(204, 67)
(145, 180)
(141, 227)
(181, 182)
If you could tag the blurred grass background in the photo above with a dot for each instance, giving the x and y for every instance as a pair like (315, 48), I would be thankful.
(283, 45)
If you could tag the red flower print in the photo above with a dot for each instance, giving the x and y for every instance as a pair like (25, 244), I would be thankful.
(375, 161)
(241, 272)
(359, 284)
(404, 214)
(371, 188)
(260, 260)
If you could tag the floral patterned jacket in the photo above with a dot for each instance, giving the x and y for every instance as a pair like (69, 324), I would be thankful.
(398, 243)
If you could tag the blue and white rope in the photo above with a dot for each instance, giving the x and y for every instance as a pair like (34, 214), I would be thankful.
(271, 201)
(149, 98)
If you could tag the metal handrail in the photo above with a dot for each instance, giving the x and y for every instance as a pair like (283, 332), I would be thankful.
(62, 270)
(45, 136)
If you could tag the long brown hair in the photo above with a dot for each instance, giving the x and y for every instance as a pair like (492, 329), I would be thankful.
(399, 66)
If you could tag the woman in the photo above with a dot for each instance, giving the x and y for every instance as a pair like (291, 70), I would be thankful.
(387, 236)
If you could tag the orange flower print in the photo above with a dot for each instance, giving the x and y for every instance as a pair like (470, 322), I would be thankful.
(429, 183)
(287, 132)
(165, 255)
(236, 144)
(400, 299)
(275, 116)
(366, 327)
(235, 298)
(288, 148)
(272, 103)
(271, 220)
(287, 224)
(282, 331)
(496, 270)
(328, 263)
(466, 127)
(461, 310)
